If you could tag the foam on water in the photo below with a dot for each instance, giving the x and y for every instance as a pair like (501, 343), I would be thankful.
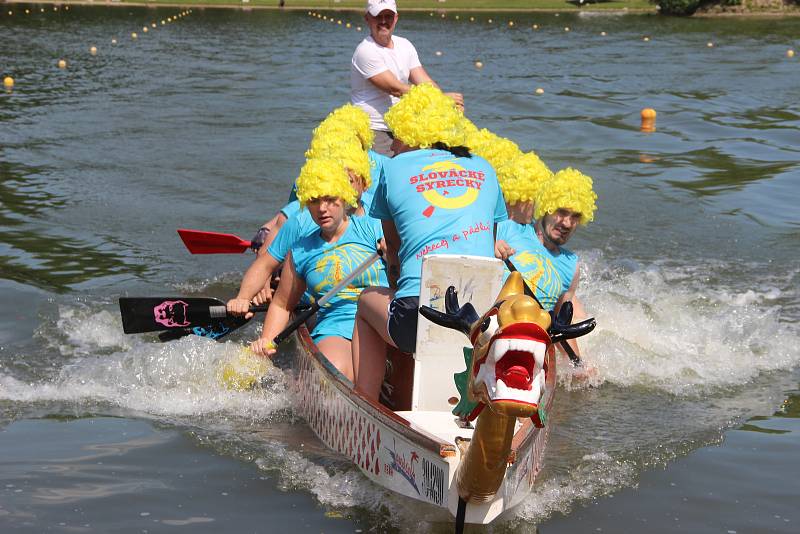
(180, 378)
(681, 330)
(663, 329)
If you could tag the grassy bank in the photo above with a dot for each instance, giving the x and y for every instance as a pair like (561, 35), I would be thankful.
(423, 5)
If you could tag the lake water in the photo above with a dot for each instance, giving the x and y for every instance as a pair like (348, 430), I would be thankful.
(691, 266)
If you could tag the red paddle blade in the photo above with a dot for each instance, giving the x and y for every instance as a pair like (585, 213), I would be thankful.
(199, 242)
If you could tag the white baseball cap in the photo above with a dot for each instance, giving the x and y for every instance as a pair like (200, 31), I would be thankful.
(374, 7)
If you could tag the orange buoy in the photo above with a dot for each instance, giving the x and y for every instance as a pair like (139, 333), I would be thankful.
(648, 120)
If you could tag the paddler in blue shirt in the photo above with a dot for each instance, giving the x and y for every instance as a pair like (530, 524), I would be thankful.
(520, 179)
(319, 261)
(562, 204)
(348, 116)
(339, 137)
(433, 197)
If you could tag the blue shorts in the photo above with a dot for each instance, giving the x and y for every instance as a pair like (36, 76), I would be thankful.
(402, 324)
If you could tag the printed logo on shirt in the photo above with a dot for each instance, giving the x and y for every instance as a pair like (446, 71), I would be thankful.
(438, 180)
(337, 263)
(541, 274)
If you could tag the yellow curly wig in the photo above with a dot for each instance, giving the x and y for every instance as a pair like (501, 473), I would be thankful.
(346, 152)
(425, 116)
(521, 178)
(469, 129)
(324, 178)
(356, 118)
(497, 150)
(569, 189)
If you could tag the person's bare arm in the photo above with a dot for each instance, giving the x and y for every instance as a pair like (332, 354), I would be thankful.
(255, 278)
(419, 75)
(273, 225)
(578, 311)
(388, 83)
(392, 240)
(285, 299)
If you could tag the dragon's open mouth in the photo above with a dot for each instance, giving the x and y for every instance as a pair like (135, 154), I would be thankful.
(514, 369)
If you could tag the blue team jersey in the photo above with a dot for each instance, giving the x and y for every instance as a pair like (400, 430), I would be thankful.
(533, 261)
(322, 265)
(566, 262)
(440, 204)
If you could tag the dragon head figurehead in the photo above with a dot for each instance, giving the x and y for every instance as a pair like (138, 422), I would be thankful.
(506, 367)
(506, 371)
(509, 343)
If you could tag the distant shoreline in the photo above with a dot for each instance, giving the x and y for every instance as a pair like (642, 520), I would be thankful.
(591, 8)
(325, 8)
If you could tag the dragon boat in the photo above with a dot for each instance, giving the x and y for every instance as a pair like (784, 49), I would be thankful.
(463, 425)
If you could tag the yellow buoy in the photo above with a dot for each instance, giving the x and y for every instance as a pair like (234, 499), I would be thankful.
(511, 23)
(41, 10)
(27, 11)
(479, 64)
(645, 39)
(10, 13)
(93, 50)
(339, 22)
(457, 17)
(8, 82)
(134, 36)
(790, 53)
(539, 91)
(163, 22)
(490, 21)
(347, 25)
(535, 26)
(62, 64)
(472, 19)
(648, 120)
(442, 15)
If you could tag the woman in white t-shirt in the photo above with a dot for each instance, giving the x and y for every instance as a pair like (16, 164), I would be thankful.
(383, 69)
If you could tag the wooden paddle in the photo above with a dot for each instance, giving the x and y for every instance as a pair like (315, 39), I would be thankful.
(200, 242)
(153, 314)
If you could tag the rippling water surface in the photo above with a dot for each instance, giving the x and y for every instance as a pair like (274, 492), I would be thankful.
(691, 266)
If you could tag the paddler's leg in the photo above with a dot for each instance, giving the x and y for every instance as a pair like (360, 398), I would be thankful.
(337, 350)
(370, 338)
